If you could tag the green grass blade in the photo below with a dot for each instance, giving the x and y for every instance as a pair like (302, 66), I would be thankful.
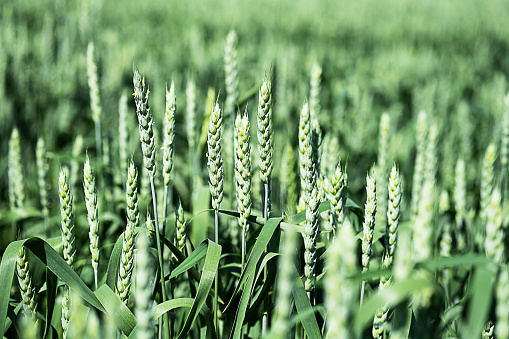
(207, 278)
(52, 260)
(391, 296)
(7, 267)
(481, 293)
(64, 272)
(180, 257)
(114, 262)
(304, 310)
(257, 251)
(116, 308)
(241, 310)
(191, 260)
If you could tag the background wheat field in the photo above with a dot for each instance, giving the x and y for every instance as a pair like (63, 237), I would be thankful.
(254, 169)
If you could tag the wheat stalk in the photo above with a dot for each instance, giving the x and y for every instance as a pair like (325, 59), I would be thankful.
(92, 214)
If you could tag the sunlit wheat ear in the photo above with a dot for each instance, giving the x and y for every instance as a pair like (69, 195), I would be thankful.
(265, 146)
(231, 73)
(264, 118)
(144, 274)
(446, 239)
(169, 133)
(340, 291)
(15, 172)
(126, 263)
(92, 214)
(393, 211)
(42, 176)
(67, 214)
(368, 225)
(369, 220)
(123, 134)
(336, 190)
(502, 309)
(25, 285)
(180, 227)
(304, 143)
(145, 122)
(243, 172)
(215, 160)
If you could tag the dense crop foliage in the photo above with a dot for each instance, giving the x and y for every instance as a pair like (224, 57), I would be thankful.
(281, 169)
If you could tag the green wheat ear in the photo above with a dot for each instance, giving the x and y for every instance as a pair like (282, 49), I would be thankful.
(92, 214)
(215, 160)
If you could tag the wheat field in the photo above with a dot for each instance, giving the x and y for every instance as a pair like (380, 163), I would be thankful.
(261, 169)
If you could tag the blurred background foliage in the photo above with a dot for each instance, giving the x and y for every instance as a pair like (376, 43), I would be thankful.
(448, 58)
